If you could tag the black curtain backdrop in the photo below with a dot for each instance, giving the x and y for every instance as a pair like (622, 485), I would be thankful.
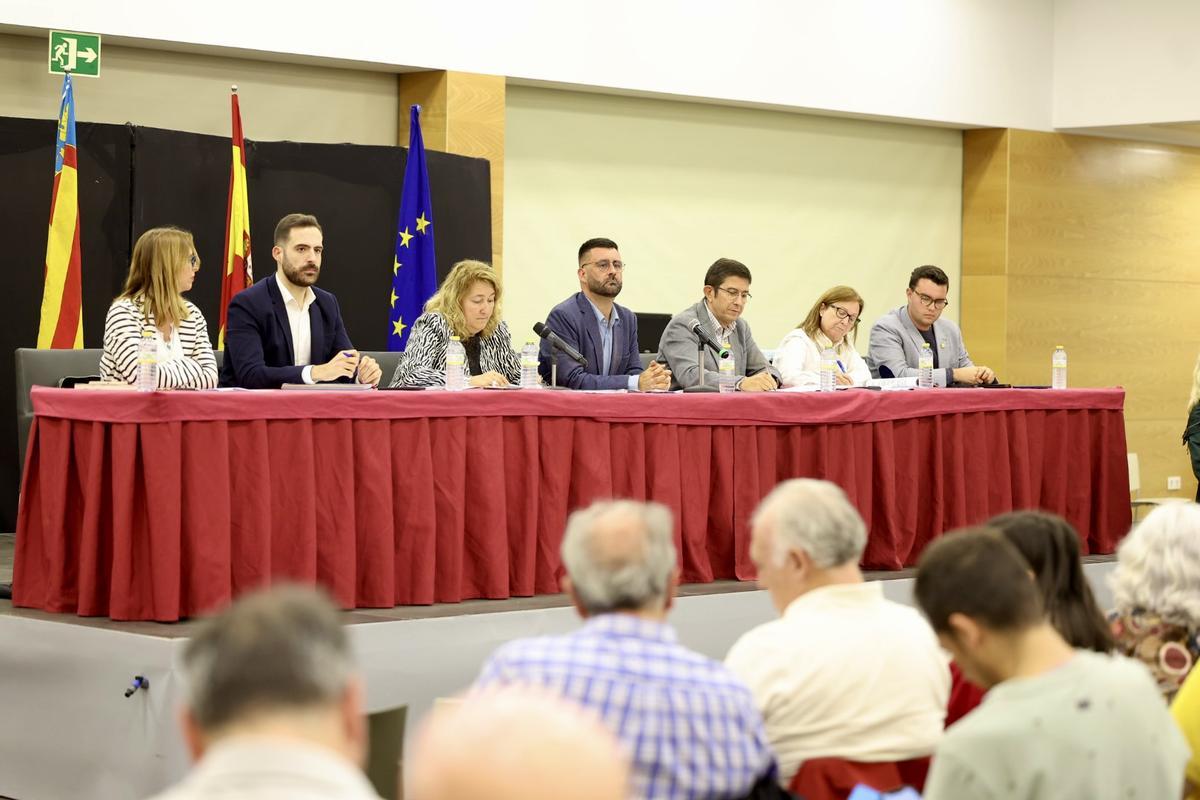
(133, 179)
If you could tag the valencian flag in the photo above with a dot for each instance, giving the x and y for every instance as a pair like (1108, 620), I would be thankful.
(62, 300)
(414, 270)
(238, 274)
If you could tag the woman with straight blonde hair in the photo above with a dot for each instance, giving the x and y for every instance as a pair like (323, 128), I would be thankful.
(832, 322)
(1191, 434)
(163, 266)
(467, 306)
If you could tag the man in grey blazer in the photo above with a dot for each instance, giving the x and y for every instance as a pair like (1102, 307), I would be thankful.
(726, 292)
(897, 338)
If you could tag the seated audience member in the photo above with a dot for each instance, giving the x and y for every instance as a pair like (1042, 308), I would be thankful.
(726, 292)
(1191, 433)
(1057, 722)
(1156, 593)
(1185, 708)
(274, 704)
(602, 331)
(163, 266)
(844, 672)
(284, 329)
(689, 725)
(467, 306)
(517, 744)
(897, 337)
(832, 322)
(1050, 546)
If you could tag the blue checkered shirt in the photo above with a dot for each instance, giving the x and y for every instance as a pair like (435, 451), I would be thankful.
(690, 727)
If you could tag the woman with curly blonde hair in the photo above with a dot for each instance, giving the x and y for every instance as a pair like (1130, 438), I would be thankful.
(467, 306)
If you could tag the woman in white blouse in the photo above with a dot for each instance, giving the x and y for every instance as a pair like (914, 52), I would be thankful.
(832, 322)
(163, 266)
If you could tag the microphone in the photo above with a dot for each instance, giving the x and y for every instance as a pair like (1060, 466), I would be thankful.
(556, 341)
(707, 340)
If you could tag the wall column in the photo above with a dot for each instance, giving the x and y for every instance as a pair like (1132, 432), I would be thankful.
(462, 113)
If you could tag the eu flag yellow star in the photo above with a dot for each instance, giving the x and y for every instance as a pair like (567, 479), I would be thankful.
(393, 298)
(398, 327)
(404, 237)
(396, 268)
(422, 223)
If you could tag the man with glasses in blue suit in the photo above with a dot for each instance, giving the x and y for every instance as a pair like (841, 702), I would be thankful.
(898, 337)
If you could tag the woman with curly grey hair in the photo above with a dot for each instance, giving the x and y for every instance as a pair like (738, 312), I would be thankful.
(1156, 593)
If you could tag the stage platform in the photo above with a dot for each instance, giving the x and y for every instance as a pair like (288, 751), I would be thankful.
(69, 731)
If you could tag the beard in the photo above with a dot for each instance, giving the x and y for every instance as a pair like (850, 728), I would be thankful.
(296, 272)
(609, 287)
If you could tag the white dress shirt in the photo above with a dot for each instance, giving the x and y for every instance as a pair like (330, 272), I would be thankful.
(845, 673)
(263, 768)
(798, 359)
(301, 325)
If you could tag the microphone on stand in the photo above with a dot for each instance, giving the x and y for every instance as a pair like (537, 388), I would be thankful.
(707, 340)
(556, 341)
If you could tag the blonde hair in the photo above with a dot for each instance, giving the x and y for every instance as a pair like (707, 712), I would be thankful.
(448, 299)
(153, 282)
(1195, 396)
(838, 294)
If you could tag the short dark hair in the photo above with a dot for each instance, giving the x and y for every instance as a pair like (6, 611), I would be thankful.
(1051, 547)
(592, 244)
(930, 273)
(284, 229)
(979, 573)
(724, 268)
(277, 650)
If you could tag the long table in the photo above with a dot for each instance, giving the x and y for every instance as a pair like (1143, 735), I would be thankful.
(165, 505)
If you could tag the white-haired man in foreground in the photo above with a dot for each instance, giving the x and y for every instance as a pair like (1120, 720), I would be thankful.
(689, 726)
(843, 672)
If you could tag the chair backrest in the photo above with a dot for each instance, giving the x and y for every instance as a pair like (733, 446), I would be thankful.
(835, 778)
(388, 361)
(46, 368)
(1135, 475)
(219, 355)
(650, 330)
(646, 359)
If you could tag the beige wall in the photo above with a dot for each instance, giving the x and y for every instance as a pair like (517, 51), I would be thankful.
(806, 202)
(189, 92)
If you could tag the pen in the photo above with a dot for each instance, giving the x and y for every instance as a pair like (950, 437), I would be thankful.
(841, 366)
(354, 375)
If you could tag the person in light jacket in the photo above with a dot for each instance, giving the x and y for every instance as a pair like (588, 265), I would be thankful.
(832, 322)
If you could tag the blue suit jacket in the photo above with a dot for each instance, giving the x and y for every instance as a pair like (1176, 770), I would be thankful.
(575, 321)
(258, 338)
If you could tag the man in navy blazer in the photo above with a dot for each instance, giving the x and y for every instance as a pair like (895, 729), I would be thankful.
(602, 331)
(285, 330)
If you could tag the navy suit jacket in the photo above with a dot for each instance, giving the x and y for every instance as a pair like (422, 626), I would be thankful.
(258, 338)
(574, 320)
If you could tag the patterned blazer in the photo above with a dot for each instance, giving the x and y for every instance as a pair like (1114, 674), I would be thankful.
(195, 369)
(424, 359)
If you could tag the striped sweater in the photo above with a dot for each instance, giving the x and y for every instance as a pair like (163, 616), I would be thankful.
(424, 359)
(190, 365)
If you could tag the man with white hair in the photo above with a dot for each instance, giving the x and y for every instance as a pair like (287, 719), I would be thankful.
(843, 672)
(689, 726)
(274, 703)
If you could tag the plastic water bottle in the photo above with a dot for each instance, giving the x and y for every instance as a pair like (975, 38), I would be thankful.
(925, 367)
(456, 362)
(828, 368)
(726, 370)
(147, 371)
(529, 366)
(1058, 368)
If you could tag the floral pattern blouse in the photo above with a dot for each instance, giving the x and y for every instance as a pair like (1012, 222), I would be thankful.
(1168, 649)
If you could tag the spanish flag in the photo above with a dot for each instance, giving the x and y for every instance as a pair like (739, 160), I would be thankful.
(238, 274)
(62, 313)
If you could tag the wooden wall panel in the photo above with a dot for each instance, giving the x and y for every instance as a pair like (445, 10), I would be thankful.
(1100, 253)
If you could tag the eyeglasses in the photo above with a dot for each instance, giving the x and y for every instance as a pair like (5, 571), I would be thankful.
(844, 314)
(193, 260)
(928, 301)
(735, 294)
(603, 266)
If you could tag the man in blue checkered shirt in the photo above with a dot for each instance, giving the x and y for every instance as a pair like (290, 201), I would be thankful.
(690, 727)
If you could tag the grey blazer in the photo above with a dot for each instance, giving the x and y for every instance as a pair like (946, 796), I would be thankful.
(896, 344)
(677, 349)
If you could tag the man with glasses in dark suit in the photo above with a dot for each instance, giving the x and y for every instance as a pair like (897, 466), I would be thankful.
(898, 336)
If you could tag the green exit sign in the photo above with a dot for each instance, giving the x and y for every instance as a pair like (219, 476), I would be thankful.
(76, 53)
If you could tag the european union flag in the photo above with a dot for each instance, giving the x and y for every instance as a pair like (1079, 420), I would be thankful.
(414, 271)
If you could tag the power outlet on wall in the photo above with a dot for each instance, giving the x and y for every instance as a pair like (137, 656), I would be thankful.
(1174, 483)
